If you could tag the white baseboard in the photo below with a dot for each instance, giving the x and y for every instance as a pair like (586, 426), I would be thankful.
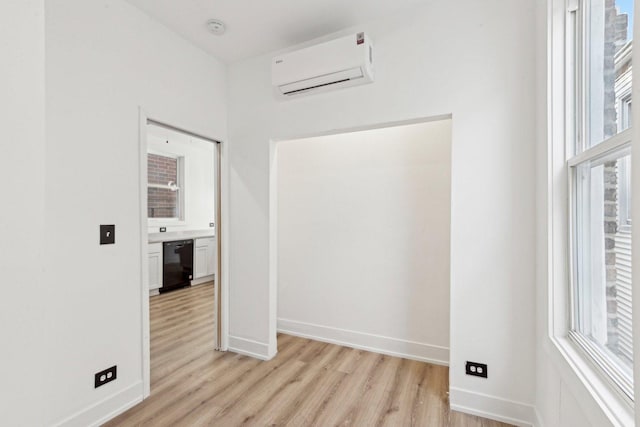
(106, 409)
(538, 418)
(376, 343)
(492, 407)
(249, 347)
(202, 280)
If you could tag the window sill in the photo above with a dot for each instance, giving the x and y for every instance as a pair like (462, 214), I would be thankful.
(613, 405)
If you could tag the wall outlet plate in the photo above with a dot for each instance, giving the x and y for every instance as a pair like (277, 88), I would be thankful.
(107, 234)
(476, 369)
(163, 229)
(103, 377)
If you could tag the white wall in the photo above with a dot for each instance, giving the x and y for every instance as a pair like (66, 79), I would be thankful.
(199, 177)
(363, 235)
(104, 59)
(474, 60)
(22, 217)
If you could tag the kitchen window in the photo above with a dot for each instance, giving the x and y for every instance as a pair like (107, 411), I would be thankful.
(599, 170)
(165, 195)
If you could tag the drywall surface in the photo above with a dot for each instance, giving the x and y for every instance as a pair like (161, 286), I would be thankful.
(22, 217)
(104, 60)
(474, 60)
(363, 238)
(199, 177)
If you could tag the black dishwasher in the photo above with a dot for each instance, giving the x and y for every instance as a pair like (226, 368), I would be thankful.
(178, 264)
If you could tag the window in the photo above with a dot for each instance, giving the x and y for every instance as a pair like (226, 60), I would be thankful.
(600, 187)
(164, 192)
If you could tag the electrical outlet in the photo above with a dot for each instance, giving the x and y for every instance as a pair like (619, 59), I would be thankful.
(163, 229)
(108, 375)
(476, 369)
(107, 234)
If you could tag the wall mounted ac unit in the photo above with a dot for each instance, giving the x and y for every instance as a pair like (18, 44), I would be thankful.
(347, 61)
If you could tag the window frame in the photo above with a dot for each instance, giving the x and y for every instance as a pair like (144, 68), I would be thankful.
(618, 144)
(626, 198)
(180, 184)
(601, 401)
(577, 153)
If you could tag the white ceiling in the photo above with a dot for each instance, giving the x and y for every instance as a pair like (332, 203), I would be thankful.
(259, 26)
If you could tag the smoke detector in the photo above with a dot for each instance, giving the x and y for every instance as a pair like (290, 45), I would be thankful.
(215, 26)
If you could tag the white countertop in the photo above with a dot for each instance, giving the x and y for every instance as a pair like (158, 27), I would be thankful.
(179, 235)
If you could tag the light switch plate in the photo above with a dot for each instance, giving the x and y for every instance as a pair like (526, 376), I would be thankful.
(107, 234)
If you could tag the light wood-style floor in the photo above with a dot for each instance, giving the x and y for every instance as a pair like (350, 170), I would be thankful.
(308, 383)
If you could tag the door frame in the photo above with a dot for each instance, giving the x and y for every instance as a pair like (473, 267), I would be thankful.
(221, 230)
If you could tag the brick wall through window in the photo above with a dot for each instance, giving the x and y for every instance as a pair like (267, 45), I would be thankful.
(162, 202)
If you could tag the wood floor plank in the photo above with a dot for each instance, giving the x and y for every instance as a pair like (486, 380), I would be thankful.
(286, 400)
(308, 383)
(312, 402)
(230, 386)
(338, 410)
(367, 408)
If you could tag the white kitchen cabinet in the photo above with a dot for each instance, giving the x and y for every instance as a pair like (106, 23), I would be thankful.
(212, 257)
(200, 262)
(204, 257)
(155, 267)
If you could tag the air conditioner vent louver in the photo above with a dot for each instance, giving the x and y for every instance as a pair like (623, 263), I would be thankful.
(293, 92)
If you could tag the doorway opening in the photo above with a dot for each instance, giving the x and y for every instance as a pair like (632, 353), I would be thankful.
(181, 247)
(360, 238)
